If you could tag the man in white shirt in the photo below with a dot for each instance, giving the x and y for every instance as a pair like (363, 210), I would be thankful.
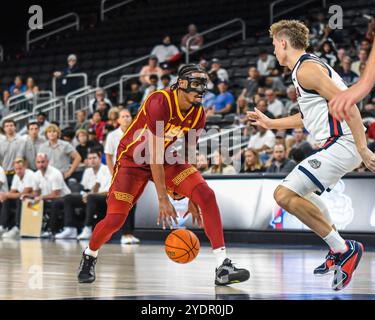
(265, 63)
(262, 142)
(51, 188)
(165, 51)
(110, 150)
(275, 106)
(22, 185)
(3, 190)
(95, 183)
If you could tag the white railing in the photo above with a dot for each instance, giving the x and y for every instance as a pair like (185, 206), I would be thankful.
(273, 16)
(218, 27)
(71, 75)
(77, 100)
(27, 102)
(118, 68)
(1, 53)
(53, 108)
(74, 24)
(104, 10)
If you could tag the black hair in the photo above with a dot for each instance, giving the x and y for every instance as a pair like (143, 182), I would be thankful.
(97, 150)
(165, 76)
(32, 123)
(8, 121)
(42, 114)
(187, 70)
(154, 76)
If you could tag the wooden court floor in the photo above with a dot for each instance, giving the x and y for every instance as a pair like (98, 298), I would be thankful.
(43, 269)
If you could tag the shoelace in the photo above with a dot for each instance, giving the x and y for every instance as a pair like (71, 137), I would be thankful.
(87, 265)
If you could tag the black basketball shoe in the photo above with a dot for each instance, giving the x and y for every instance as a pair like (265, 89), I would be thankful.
(86, 271)
(227, 273)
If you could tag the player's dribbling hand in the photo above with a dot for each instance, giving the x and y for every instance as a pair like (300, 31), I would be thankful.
(368, 158)
(195, 213)
(166, 212)
(258, 118)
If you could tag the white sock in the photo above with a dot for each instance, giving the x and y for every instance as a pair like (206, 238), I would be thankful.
(91, 253)
(220, 255)
(335, 242)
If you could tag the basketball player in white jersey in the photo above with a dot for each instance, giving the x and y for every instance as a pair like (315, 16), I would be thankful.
(343, 147)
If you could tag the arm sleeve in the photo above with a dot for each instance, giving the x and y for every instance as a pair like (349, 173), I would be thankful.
(109, 145)
(29, 181)
(157, 109)
(57, 182)
(69, 149)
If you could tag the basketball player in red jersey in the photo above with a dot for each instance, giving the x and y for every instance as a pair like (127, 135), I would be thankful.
(175, 111)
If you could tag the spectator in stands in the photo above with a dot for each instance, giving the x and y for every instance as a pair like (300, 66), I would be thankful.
(69, 84)
(114, 138)
(349, 76)
(17, 87)
(250, 89)
(262, 105)
(203, 63)
(341, 54)
(41, 118)
(152, 87)
(33, 143)
(252, 162)
(202, 163)
(60, 153)
(328, 54)
(262, 142)
(22, 186)
(151, 68)
(275, 83)
(6, 96)
(165, 81)
(266, 62)
(196, 43)
(166, 52)
(220, 164)
(99, 96)
(95, 183)
(113, 114)
(300, 142)
(84, 144)
(31, 88)
(81, 121)
(279, 162)
(275, 106)
(362, 59)
(11, 148)
(98, 125)
(224, 101)
(291, 102)
(50, 187)
(133, 98)
(217, 73)
(208, 101)
(370, 34)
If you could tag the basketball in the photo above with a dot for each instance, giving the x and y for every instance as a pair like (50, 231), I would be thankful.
(182, 246)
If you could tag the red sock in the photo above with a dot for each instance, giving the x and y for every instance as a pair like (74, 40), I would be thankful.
(205, 198)
(105, 229)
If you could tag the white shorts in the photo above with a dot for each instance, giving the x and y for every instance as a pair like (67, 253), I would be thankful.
(322, 170)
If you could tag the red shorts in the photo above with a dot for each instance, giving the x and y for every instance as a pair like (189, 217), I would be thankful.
(128, 183)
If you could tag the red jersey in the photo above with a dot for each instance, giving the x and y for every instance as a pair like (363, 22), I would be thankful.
(162, 106)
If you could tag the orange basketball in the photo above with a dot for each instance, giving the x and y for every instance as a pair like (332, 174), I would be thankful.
(182, 246)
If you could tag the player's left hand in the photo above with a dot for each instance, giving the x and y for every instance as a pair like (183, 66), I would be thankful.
(195, 213)
(368, 158)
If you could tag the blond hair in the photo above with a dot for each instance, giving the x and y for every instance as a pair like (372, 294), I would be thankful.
(53, 127)
(296, 32)
(19, 160)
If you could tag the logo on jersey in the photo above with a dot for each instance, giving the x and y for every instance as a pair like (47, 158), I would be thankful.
(315, 164)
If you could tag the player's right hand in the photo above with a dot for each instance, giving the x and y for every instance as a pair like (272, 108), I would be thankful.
(368, 158)
(166, 212)
(258, 118)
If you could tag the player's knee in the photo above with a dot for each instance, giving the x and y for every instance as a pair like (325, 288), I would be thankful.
(114, 221)
(282, 196)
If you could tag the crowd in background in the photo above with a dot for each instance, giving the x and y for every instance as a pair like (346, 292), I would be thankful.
(71, 168)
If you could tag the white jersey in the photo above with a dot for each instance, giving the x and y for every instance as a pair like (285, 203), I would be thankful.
(314, 108)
